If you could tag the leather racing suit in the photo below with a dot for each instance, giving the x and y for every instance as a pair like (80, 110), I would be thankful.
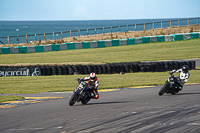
(93, 83)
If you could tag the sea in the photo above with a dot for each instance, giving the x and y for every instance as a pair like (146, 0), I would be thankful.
(30, 28)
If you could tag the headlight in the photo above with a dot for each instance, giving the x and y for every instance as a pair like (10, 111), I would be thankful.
(80, 85)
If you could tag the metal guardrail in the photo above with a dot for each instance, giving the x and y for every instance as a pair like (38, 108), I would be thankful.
(135, 27)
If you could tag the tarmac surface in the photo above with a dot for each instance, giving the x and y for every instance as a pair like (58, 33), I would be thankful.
(126, 110)
(135, 110)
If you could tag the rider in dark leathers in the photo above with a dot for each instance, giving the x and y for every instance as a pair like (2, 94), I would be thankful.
(184, 75)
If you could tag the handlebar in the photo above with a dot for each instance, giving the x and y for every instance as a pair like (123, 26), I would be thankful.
(79, 81)
(172, 74)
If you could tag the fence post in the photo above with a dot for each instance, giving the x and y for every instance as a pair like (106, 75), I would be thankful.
(17, 39)
(153, 25)
(178, 22)
(8, 39)
(127, 28)
(144, 26)
(188, 22)
(111, 31)
(61, 35)
(95, 31)
(44, 37)
(170, 23)
(103, 30)
(161, 24)
(87, 32)
(26, 39)
(53, 35)
(35, 37)
(135, 27)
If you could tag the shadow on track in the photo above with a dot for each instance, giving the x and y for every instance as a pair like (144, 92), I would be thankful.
(104, 103)
(196, 93)
(179, 94)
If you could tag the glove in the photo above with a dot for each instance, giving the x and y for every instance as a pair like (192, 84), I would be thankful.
(79, 80)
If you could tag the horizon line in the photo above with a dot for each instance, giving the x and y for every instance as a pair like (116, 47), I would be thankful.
(101, 19)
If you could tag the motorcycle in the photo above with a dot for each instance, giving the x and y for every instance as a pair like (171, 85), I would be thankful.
(172, 85)
(81, 94)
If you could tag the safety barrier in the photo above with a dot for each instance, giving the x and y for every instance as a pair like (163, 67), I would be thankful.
(97, 44)
(109, 68)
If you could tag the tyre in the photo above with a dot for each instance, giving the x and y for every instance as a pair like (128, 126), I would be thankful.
(175, 64)
(166, 65)
(162, 90)
(109, 68)
(76, 69)
(86, 98)
(47, 70)
(73, 99)
(64, 71)
(95, 69)
(70, 70)
(42, 68)
(85, 70)
(80, 68)
(55, 70)
(105, 70)
(100, 70)
(173, 93)
(60, 70)
(127, 68)
(193, 64)
(170, 66)
(90, 68)
(135, 67)
(161, 66)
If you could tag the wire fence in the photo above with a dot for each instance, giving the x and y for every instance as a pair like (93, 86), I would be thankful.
(86, 32)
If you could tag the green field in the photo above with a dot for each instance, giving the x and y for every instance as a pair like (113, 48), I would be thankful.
(17, 85)
(187, 49)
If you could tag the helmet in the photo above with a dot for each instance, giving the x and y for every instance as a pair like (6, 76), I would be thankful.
(92, 76)
(185, 68)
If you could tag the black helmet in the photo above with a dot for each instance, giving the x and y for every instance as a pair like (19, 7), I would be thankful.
(185, 68)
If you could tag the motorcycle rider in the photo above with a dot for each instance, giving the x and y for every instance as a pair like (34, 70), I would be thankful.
(93, 83)
(184, 75)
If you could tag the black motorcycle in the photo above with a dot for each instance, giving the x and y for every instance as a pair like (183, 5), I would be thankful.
(81, 94)
(172, 85)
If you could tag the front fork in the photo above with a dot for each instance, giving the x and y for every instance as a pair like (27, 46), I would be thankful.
(80, 93)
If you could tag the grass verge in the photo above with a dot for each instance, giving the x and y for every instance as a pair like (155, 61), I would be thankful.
(17, 85)
(186, 49)
(10, 98)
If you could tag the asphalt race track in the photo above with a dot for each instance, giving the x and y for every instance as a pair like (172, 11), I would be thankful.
(136, 110)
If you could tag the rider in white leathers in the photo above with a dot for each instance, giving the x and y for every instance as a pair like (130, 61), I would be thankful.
(184, 75)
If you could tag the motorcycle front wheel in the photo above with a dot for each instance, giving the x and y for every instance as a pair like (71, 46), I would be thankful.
(73, 99)
(162, 90)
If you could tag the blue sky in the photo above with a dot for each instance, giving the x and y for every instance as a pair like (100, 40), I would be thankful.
(97, 9)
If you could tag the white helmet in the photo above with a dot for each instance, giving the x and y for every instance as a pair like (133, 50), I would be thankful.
(92, 76)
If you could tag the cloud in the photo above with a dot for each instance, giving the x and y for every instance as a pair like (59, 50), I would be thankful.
(79, 10)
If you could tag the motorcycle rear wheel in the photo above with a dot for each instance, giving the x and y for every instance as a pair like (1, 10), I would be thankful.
(73, 99)
(86, 98)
